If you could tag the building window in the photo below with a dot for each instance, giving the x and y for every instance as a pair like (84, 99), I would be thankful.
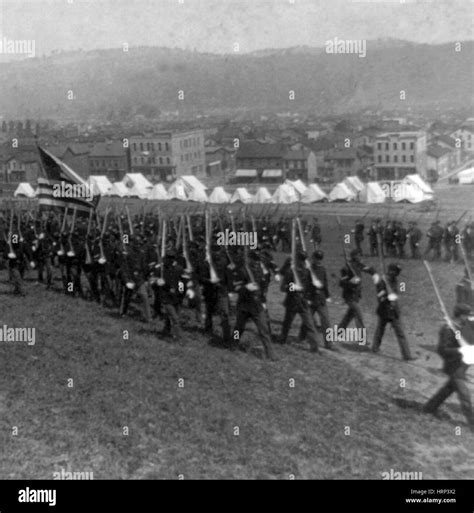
(412, 146)
(141, 146)
(395, 159)
(134, 145)
(167, 146)
(379, 146)
(404, 158)
(161, 160)
(159, 146)
(386, 146)
(404, 146)
(412, 158)
(380, 158)
(387, 158)
(395, 146)
(167, 160)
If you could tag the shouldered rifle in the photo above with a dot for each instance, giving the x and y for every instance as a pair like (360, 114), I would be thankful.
(63, 226)
(190, 228)
(461, 216)
(390, 291)
(466, 349)
(248, 270)
(344, 251)
(102, 258)
(88, 253)
(163, 246)
(314, 279)
(208, 228)
(11, 253)
(294, 270)
(130, 225)
(189, 266)
(71, 252)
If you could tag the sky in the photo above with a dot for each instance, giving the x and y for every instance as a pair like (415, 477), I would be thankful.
(216, 25)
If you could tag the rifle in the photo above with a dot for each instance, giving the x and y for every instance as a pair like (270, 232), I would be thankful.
(102, 258)
(466, 349)
(163, 247)
(293, 256)
(190, 228)
(189, 266)
(63, 226)
(382, 264)
(466, 263)
(346, 259)
(71, 252)
(129, 220)
(461, 216)
(314, 279)
(88, 253)
(11, 253)
(208, 227)
(246, 260)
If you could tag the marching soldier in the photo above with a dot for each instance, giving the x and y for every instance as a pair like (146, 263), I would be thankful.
(400, 239)
(414, 236)
(373, 233)
(318, 295)
(316, 237)
(351, 284)
(388, 311)
(454, 367)
(450, 240)
(359, 235)
(296, 283)
(248, 282)
(435, 237)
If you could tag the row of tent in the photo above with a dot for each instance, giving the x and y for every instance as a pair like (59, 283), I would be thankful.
(189, 188)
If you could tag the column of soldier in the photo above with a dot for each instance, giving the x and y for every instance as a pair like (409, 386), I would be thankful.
(173, 262)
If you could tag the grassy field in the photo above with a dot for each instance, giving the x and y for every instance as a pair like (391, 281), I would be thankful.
(191, 430)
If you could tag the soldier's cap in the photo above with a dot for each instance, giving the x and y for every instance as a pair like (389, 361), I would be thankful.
(318, 254)
(462, 309)
(394, 269)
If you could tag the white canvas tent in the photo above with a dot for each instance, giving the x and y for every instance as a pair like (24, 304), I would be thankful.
(285, 194)
(218, 195)
(192, 182)
(372, 193)
(466, 177)
(119, 189)
(241, 194)
(414, 190)
(158, 192)
(298, 185)
(354, 184)
(24, 190)
(138, 184)
(341, 192)
(262, 196)
(177, 191)
(197, 195)
(313, 193)
(100, 184)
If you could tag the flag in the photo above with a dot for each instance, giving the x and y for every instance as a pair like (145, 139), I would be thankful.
(60, 187)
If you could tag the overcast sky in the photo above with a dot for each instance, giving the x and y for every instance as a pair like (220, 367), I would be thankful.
(215, 25)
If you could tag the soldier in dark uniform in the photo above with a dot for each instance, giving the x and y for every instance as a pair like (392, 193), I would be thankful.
(16, 264)
(316, 237)
(373, 233)
(414, 236)
(435, 237)
(248, 282)
(359, 235)
(450, 240)
(215, 292)
(351, 285)
(297, 289)
(454, 367)
(400, 239)
(169, 285)
(468, 239)
(134, 273)
(388, 310)
(318, 294)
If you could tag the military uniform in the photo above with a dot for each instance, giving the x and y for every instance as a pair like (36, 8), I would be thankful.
(454, 367)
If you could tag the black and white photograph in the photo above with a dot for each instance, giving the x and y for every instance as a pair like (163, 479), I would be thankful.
(236, 244)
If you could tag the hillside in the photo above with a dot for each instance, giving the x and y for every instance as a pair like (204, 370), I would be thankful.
(112, 84)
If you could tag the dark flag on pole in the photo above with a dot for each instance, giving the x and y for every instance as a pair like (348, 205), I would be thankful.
(60, 187)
